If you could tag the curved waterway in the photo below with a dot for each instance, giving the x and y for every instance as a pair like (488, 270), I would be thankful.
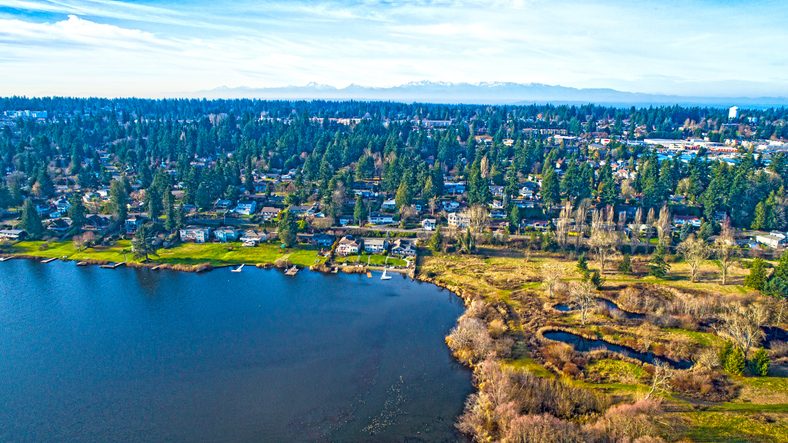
(90, 354)
(582, 344)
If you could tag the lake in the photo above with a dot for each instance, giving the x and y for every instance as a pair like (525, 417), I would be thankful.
(90, 354)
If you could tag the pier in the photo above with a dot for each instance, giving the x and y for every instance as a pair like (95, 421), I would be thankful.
(292, 271)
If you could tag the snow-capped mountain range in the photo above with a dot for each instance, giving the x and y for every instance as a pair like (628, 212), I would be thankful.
(481, 93)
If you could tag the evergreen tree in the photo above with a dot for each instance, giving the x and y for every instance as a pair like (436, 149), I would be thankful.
(403, 195)
(658, 267)
(760, 221)
(759, 364)
(287, 229)
(514, 219)
(46, 187)
(756, 279)
(142, 244)
(360, 211)
(550, 187)
(582, 266)
(170, 224)
(436, 241)
(180, 217)
(734, 363)
(77, 212)
(203, 199)
(625, 267)
(118, 201)
(31, 222)
(153, 204)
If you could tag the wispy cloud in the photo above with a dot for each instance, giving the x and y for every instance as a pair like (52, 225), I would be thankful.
(112, 47)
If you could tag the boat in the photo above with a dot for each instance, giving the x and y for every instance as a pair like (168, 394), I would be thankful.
(385, 276)
(238, 269)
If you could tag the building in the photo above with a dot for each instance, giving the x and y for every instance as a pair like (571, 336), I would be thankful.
(349, 245)
(429, 224)
(680, 220)
(376, 245)
(389, 205)
(133, 222)
(222, 205)
(12, 234)
(252, 237)
(59, 226)
(733, 113)
(269, 212)
(459, 220)
(197, 234)
(226, 234)
(246, 207)
(403, 248)
(772, 240)
(376, 218)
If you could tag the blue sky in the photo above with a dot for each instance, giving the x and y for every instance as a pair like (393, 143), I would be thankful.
(163, 48)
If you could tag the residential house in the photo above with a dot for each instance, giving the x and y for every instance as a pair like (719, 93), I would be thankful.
(323, 240)
(300, 210)
(497, 191)
(450, 205)
(222, 205)
(226, 234)
(133, 222)
(62, 205)
(772, 240)
(269, 212)
(96, 222)
(376, 245)
(12, 234)
(197, 234)
(349, 245)
(459, 219)
(389, 205)
(59, 226)
(429, 224)
(246, 207)
(376, 218)
(453, 188)
(252, 237)
(345, 220)
(680, 220)
(403, 248)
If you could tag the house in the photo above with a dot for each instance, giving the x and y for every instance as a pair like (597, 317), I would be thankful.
(226, 234)
(345, 220)
(498, 213)
(252, 237)
(222, 205)
(680, 220)
(246, 207)
(269, 212)
(376, 245)
(389, 205)
(12, 234)
(96, 222)
(536, 224)
(323, 240)
(376, 218)
(454, 188)
(459, 220)
(429, 224)
(772, 240)
(197, 234)
(59, 226)
(497, 204)
(62, 205)
(527, 193)
(300, 210)
(133, 222)
(349, 245)
(450, 205)
(497, 191)
(403, 248)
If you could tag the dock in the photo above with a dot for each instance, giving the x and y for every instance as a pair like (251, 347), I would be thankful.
(4, 258)
(239, 268)
(49, 260)
(335, 270)
(292, 271)
(369, 274)
(113, 265)
(82, 263)
(155, 268)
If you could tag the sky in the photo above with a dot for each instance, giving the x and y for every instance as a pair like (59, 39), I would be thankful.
(148, 48)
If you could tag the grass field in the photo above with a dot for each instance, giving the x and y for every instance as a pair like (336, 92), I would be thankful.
(373, 259)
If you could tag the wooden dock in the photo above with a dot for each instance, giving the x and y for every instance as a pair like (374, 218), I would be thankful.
(369, 274)
(155, 268)
(49, 260)
(292, 271)
(5, 258)
(82, 263)
(335, 270)
(113, 266)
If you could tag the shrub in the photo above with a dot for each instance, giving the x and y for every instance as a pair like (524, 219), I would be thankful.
(759, 364)
(469, 340)
(571, 369)
(542, 428)
(629, 422)
(734, 362)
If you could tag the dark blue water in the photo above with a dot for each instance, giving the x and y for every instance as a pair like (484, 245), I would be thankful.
(584, 345)
(610, 305)
(90, 354)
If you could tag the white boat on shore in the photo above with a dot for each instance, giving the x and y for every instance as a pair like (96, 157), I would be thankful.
(238, 269)
(385, 276)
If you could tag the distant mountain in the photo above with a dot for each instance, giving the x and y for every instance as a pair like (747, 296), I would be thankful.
(482, 93)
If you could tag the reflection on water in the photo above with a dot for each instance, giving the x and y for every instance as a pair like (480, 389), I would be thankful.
(584, 345)
(90, 354)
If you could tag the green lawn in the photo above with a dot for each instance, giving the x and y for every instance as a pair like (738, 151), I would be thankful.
(376, 260)
(718, 426)
(218, 254)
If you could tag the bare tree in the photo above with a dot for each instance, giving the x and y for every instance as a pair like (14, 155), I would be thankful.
(582, 296)
(650, 222)
(663, 373)
(580, 222)
(603, 243)
(647, 333)
(725, 249)
(562, 226)
(635, 228)
(743, 323)
(551, 275)
(480, 218)
(695, 252)
(664, 228)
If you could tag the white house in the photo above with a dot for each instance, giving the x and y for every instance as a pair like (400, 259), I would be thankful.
(429, 224)
(389, 205)
(376, 245)
(772, 240)
(197, 234)
(349, 245)
(403, 248)
(253, 237)
(459, 219)
(376, 218)
(246, 207)
(269, 212)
